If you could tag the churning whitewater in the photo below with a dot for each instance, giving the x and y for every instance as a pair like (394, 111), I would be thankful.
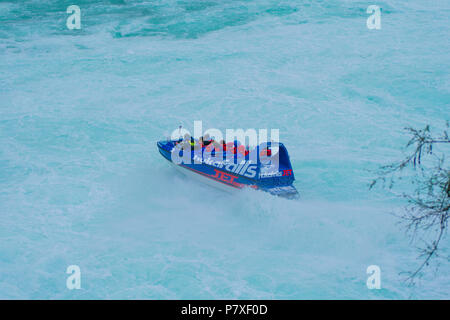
(82, 182)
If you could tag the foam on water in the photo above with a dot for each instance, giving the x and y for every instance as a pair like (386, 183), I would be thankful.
(81, 181)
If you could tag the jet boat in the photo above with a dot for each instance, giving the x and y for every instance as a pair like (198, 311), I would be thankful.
(265, 167)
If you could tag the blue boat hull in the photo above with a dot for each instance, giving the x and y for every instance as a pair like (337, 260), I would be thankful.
(237, 174)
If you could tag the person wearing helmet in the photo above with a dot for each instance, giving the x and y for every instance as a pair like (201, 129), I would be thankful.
(187, 141)
(206, 140)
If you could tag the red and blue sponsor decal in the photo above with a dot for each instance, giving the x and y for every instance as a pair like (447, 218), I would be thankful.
(223, 177)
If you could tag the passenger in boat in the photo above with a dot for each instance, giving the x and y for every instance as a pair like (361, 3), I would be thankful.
(246, 151)
(230, 148)
(242, 149)
(213, 146)
(206, 140)
(223, 144)
(187, 141)
(266, 152)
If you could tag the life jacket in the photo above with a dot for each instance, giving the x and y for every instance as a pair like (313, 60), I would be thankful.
(210, 147)
(241, 149)
(265, 153)
(230, 147)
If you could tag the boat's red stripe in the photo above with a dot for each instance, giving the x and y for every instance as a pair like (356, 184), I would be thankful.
(207, 175)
